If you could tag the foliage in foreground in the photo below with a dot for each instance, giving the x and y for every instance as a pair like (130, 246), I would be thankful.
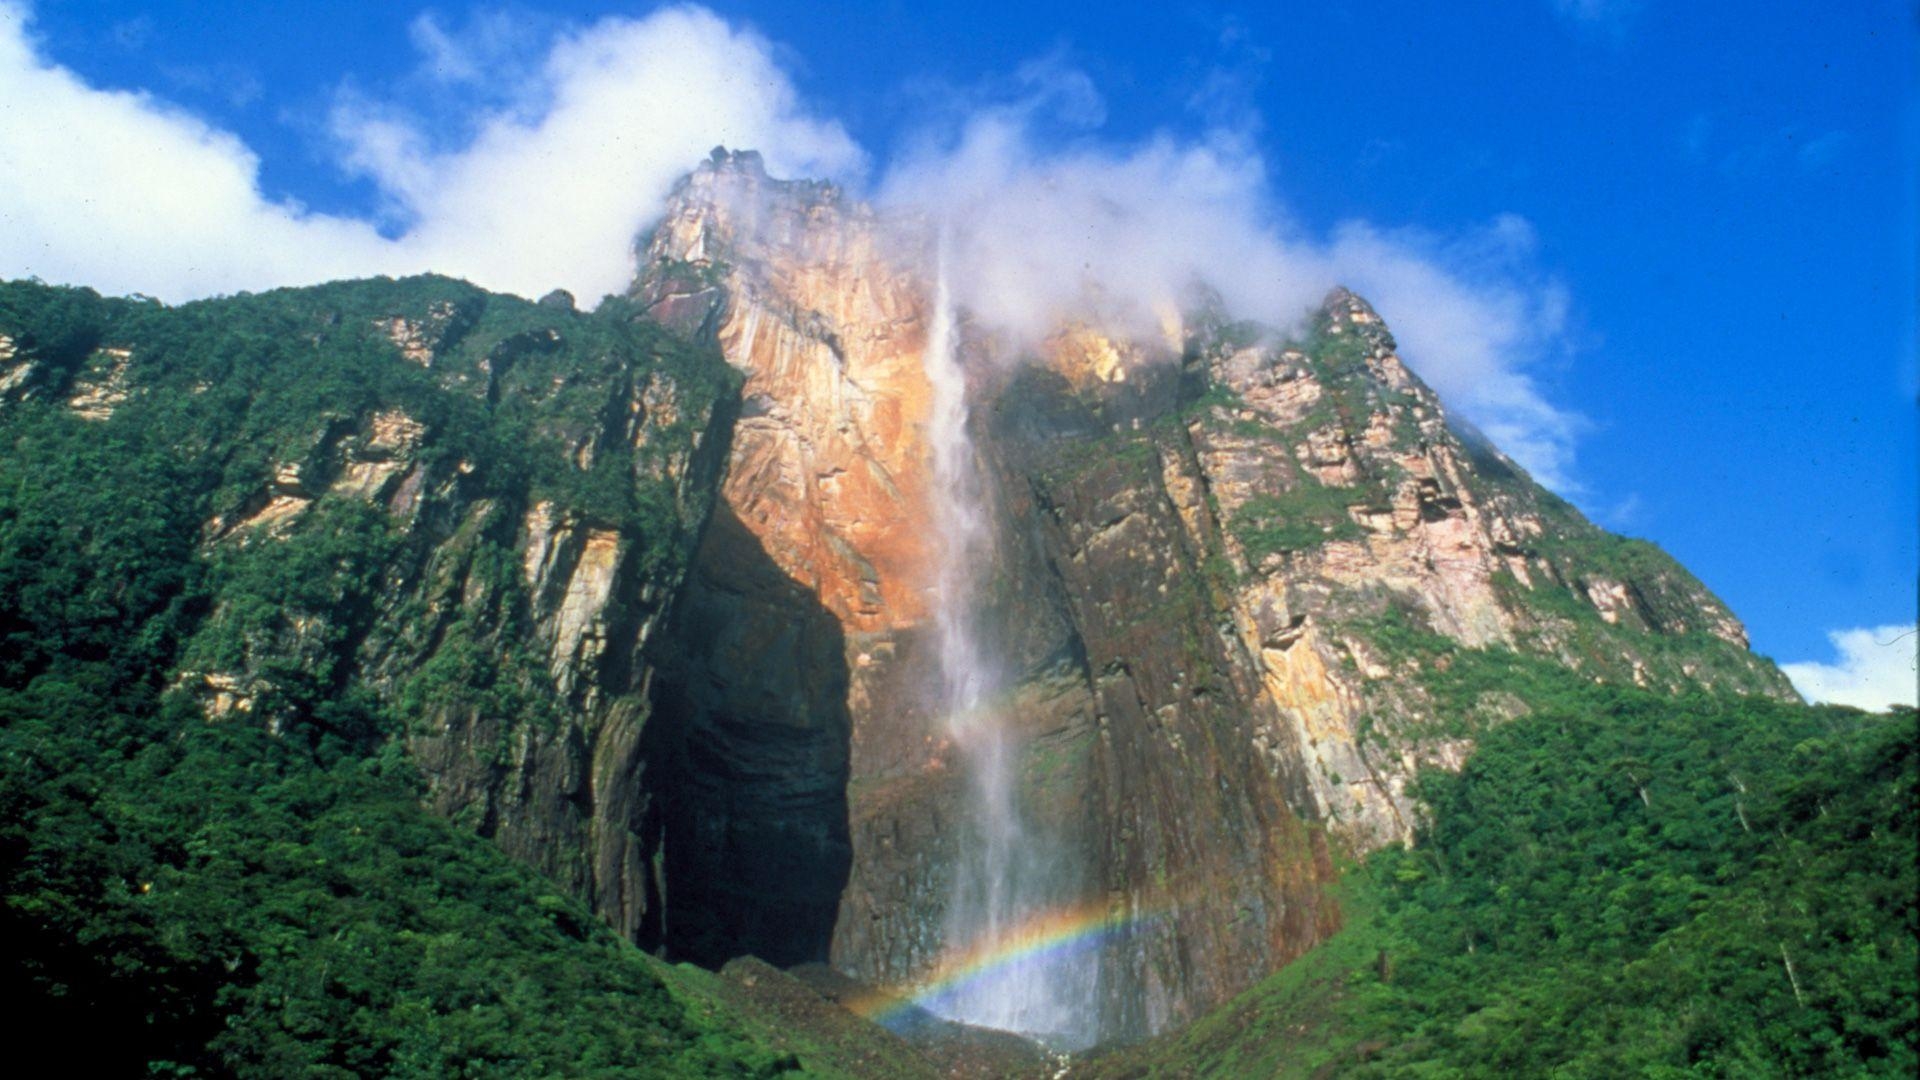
(1619, 885)
(224, 901)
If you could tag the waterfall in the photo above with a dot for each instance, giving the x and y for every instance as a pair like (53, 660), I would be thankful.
(1002, 968)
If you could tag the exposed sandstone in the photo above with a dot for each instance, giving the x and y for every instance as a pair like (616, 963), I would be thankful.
(104, 388)
(828, 466)
(820, 532)
(15, 372)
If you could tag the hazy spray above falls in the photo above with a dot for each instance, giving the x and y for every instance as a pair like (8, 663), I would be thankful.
(525, 158)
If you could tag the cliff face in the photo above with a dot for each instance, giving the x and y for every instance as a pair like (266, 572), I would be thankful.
(1333, 529)
(1225, 563)
(647, 595)
(426, 511)
(786, 683)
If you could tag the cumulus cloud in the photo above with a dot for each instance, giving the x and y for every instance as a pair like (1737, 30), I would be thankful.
(1876, 667)
(119, 191)
(126, 193)
(629, 107)
(1040, 220)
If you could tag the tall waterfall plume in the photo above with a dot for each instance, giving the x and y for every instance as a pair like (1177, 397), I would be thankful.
(1002, 968)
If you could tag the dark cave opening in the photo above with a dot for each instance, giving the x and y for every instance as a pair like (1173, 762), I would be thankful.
(748, 748)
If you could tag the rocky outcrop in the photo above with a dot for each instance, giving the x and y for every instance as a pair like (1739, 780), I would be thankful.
(1324, 500)
(104, 387)
(16, 371)
(829, 460)
(420, 337)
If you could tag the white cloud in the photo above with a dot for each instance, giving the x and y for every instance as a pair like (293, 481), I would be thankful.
(119, 191)
(1034, 234)
(1039, 225)
(632, 105)
(1877, 667)
(124, 193)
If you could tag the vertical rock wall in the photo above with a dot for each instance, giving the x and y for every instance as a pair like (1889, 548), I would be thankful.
(1208, 548)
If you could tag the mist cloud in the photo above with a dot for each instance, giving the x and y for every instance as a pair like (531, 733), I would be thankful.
(1038, 224)
(525, 155)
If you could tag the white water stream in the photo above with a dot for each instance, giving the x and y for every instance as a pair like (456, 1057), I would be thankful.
(1001, 971)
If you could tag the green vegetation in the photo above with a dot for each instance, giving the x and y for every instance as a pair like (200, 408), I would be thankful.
(1101, 458)
(1047, 759)
(1309, 514)
(1620, 884)
(1569, 625)
(264, 895)
(1340, 361)
(1680, 650)
(223, 901)
(690, 275)
(1215, 396)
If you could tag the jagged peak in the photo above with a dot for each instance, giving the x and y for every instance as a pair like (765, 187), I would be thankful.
(746, 162)
(1344, 305)
(734, 173)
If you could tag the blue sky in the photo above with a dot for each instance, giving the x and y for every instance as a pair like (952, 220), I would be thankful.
(1696, 221)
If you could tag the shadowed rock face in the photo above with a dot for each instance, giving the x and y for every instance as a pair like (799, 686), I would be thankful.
(749, 741)
(561, 603)
(1204, 545)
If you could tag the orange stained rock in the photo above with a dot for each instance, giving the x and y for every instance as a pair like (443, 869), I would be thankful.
(830, 460)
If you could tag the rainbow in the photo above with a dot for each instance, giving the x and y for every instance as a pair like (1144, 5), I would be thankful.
(1044, 937)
